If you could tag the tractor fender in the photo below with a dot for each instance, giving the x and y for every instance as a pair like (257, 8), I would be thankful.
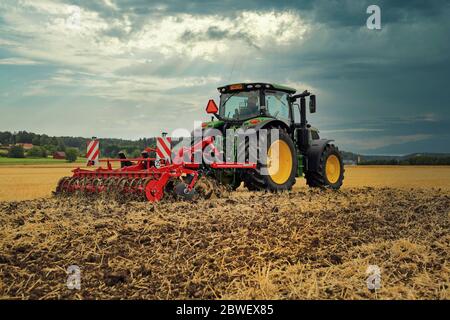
(270, 123)
(314, 152)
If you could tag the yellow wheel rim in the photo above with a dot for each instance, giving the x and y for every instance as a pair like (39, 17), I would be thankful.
(279, 162)
(333, 168)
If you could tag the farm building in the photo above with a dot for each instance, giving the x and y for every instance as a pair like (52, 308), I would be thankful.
(59, 155)
(25, 146)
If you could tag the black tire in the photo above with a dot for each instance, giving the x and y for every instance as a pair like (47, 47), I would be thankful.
(249, 185)
(255, 180)
(319, 179)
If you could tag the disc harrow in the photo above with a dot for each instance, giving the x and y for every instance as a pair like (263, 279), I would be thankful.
(148, 178)
(131, 187)
(141, 184)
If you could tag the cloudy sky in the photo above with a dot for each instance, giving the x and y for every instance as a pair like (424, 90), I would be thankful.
(130, 68)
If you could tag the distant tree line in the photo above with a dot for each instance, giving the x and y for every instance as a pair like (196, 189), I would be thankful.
(417, 160)
(349, 156)
(44, 145)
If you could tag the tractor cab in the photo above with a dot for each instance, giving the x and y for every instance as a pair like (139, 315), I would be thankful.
(241, 102)
(265, 105)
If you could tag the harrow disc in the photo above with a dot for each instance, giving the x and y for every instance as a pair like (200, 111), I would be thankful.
(153, 191)
(122, 185)
(115, 187)
(181, 191)
(97, 185)
(111, 184)
(61, 186)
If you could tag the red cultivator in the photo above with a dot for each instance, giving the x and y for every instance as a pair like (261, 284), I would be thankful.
(146, 178)
(139, 181)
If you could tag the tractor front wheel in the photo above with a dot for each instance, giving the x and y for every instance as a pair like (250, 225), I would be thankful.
(330, 173)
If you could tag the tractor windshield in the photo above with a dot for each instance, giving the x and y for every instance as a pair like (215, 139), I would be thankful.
(239, 105)
(277, 104)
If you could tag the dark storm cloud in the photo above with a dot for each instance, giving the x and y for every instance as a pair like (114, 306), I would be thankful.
(215, 33)
(342, 13)
(375, 86)
(225, 7)
(384, 79)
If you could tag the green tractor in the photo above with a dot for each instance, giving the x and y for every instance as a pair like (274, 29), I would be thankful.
(260, 137)
(296, 149)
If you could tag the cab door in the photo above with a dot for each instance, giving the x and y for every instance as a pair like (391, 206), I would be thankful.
(277, 105)
(302, 136)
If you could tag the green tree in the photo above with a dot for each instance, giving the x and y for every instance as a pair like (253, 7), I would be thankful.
(44, 140)
(37, 152)
(71, 154)
(6, 137)
(61, 146)
(16, 152)
(36, 141)
(111, 150)
(54, 141)
(136, 154)
(50, 149)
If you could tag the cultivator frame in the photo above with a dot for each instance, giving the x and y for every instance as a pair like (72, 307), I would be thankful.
(144, 179)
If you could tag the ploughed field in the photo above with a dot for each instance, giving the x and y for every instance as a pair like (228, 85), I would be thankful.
(302, 244)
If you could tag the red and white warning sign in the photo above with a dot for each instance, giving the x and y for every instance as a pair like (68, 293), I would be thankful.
(163, 148)
(93, 152)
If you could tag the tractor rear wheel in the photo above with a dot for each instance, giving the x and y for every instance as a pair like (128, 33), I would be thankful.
(277, 173)
(330, 173)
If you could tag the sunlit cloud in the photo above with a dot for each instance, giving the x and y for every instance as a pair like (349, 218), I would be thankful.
(128, 68)
(18, 61)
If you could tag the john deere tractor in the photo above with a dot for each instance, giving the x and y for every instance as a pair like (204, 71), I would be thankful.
(271, 144)
(296, 150)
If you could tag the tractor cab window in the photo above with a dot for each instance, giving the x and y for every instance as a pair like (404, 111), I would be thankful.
(277, 105)
(239, 105)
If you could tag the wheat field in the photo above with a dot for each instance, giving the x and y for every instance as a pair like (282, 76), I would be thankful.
(32, 182)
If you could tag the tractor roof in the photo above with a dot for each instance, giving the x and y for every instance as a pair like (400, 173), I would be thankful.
(254, 85)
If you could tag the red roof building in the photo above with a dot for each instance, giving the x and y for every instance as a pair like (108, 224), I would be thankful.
(25, 146)
(59, 155)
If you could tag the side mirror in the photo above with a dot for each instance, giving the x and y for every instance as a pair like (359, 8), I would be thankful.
(211, 107)
(312, 103)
